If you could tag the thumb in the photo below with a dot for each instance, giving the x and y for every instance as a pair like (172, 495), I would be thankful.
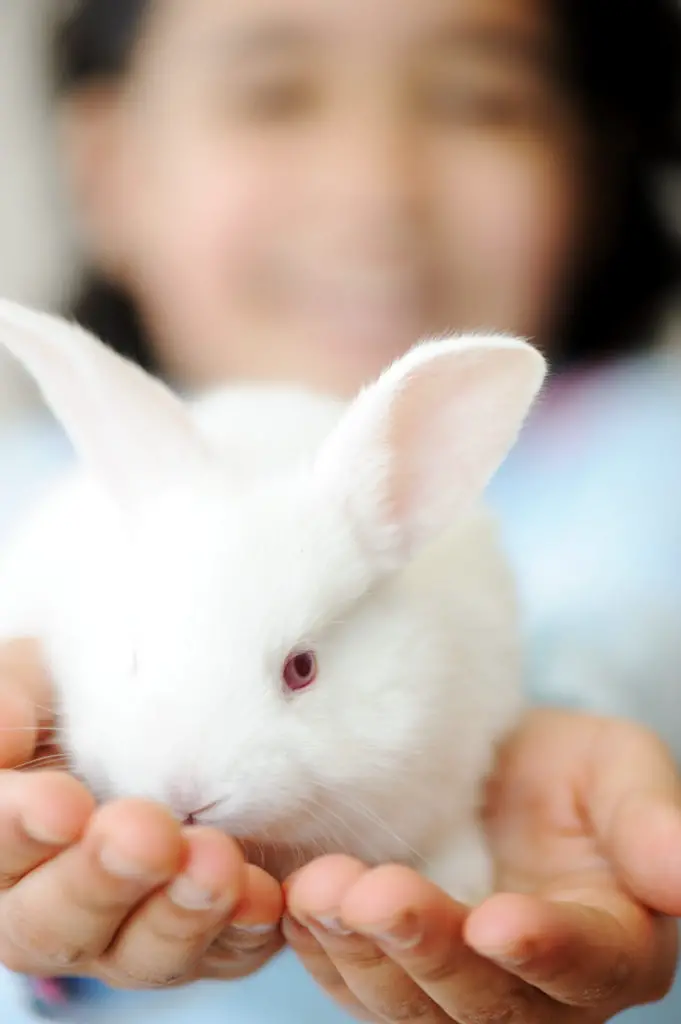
(633, 799)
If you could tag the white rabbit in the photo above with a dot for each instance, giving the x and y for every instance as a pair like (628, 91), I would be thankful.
(282, 615)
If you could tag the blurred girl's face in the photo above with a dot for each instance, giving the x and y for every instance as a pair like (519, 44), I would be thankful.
(301, 189)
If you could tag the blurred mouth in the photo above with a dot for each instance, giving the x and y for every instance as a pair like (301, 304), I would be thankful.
(366, 312)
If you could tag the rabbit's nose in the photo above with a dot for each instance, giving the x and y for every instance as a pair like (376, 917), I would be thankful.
(185, 803)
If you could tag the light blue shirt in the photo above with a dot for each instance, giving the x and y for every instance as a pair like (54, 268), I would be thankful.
(590, 506)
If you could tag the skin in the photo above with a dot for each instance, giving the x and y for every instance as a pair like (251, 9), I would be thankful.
(304, 205)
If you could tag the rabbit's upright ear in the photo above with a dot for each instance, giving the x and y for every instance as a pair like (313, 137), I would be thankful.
(127, 427)
(418, 447)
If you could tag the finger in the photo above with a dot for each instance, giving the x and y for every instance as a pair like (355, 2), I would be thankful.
(422, 931)
(166, 936)
(39, 815)
(313, 897)
(321, 968)
(66, 912)
(583, 955)
(263, 903)
(632, 794)
(24, 701)
(252, 935)
(320, 884)
(21, 660)
(19, 728)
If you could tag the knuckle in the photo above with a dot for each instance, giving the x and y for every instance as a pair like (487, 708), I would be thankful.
(435, 966)
(516, 1007)
(436, 971)
(360, 955)
(153, 980)
(141, 977)
(224, 969)
(86, 897)
(409, 1009)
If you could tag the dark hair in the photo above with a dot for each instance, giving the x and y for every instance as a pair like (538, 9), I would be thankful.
(624, 59)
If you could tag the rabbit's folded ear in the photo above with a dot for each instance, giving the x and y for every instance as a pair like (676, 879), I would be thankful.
(128, 428)
(418, 447)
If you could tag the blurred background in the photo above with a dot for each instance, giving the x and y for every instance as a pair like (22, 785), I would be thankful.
(37, 255)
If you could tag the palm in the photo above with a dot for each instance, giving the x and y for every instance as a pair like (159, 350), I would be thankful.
(538, 822)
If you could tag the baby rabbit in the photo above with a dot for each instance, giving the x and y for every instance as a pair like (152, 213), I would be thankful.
(282, 615)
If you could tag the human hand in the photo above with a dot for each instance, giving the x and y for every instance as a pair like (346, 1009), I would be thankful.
(102, 892)
(584, 820)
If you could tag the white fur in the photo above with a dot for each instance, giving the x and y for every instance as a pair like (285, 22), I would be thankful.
(277, 520)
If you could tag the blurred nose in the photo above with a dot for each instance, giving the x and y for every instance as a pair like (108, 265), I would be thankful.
(373, 179)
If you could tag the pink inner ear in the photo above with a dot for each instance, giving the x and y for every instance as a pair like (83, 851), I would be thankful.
(448, 428)
(425, 420)
(418, 447)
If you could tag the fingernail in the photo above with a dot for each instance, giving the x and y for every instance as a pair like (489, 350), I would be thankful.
(118, 864)
(184, 892)
(504, 958)
(255, 929)
(331, 925)
(396, 941)
(405, 933)
(39, 834)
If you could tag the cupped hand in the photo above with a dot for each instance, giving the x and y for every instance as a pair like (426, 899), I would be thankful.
(121, 893)
(584, 818)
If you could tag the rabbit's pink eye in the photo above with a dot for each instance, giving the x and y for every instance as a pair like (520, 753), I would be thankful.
(300, 670)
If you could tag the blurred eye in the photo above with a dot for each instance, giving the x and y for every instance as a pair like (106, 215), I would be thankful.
(300, 670)
(479, 101)
(275, 100)
(476, 107)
